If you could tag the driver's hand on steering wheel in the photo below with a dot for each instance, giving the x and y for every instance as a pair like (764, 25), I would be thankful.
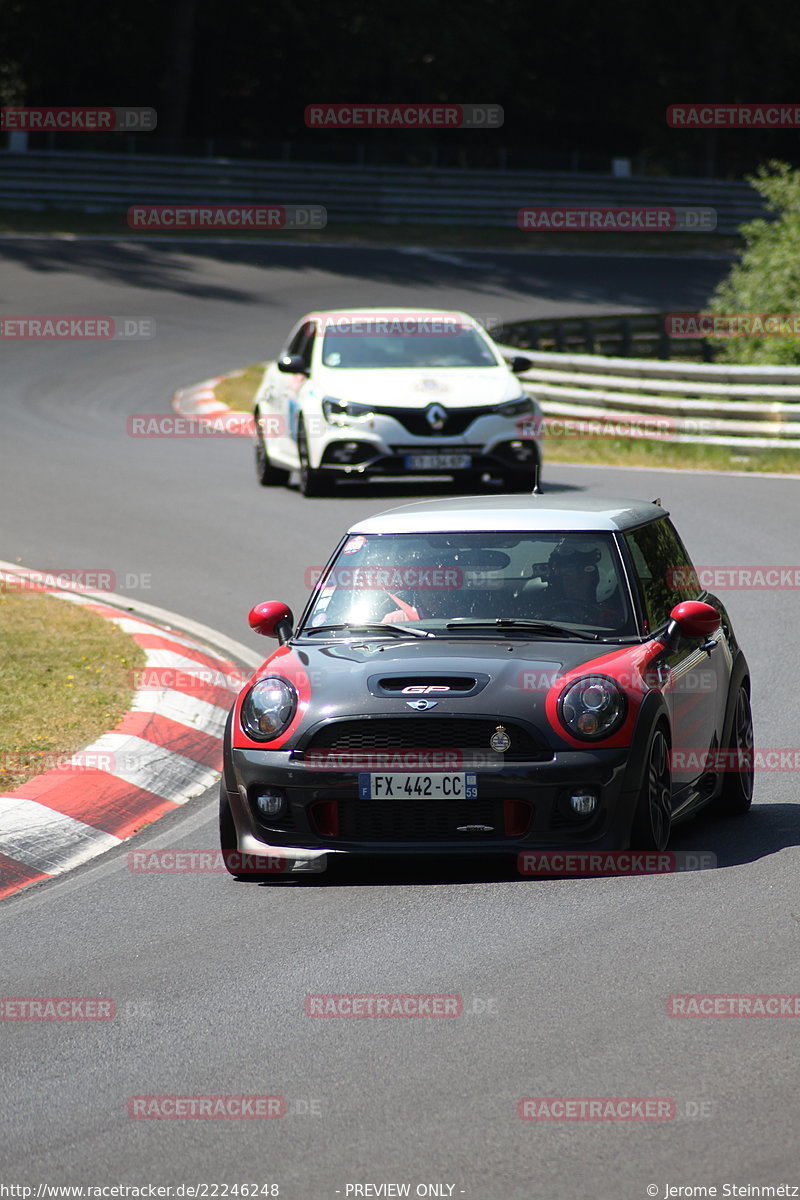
(403, 612)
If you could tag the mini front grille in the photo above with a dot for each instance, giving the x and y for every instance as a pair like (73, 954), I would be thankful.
(427, 733)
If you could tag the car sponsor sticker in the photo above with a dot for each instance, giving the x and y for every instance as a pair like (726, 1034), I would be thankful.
(354, 545)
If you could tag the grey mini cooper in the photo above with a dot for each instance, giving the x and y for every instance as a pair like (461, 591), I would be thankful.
(487, 675)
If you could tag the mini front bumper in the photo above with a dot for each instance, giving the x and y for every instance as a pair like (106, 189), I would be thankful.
(520, 806)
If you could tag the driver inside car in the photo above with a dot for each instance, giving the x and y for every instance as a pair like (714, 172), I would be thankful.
(572, 579)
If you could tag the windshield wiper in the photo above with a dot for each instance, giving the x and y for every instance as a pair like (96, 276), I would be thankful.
(374, 627)
(501, 623)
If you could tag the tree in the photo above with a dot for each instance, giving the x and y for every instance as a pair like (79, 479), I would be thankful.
(767, 277)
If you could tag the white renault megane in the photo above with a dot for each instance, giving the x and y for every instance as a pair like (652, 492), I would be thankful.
(360, 392)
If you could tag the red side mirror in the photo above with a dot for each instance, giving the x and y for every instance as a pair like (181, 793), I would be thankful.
(695, 619)
(273, 619)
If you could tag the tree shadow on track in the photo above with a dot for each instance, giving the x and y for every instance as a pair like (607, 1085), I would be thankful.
(520, 284)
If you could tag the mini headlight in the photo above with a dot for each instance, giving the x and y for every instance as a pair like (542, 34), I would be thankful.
(593, 707)
(268, 708)
(522, 407)
(340, 412)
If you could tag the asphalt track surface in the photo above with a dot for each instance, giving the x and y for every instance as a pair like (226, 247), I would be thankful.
(565, 982)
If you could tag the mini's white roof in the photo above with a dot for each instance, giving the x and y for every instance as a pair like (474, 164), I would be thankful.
(548, 513)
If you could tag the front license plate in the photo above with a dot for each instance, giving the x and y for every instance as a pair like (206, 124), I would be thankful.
(438, 462)
(416, 785)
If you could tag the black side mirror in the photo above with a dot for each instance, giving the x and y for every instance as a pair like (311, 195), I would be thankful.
(519, 364)
(292, 364)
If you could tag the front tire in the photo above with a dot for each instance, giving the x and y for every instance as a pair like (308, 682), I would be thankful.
(267, 475)
(652, 819)
(313, 483)
(736, 794)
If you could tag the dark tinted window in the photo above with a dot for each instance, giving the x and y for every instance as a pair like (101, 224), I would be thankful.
(665, 572)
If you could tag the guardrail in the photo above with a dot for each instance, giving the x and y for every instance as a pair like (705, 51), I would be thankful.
(712, 403)
(41, 179)
(643, 335)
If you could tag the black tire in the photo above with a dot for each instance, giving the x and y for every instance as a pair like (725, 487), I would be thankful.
(267, 475)
(652, 819)
(736, 794)
(227, 831)
(313, 483)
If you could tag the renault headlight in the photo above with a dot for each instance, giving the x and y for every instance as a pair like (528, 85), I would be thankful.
(523, 406)
(340, 412)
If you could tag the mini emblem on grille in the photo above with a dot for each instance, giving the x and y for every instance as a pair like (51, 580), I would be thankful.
(436, 417)
(500, 741)
(421, 705)
(475, 829)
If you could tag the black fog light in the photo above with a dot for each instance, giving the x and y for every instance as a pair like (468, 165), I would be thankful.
(270, 802)
(583, 804)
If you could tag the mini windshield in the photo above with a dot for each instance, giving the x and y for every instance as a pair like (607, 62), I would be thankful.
(430, 581)
(393, 343)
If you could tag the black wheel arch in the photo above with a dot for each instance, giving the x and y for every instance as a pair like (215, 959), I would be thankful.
(653, 712)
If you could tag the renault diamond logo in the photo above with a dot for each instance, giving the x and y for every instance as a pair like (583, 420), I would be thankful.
(436, 416)
(421, 705)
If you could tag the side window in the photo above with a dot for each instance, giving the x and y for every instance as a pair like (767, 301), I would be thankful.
(303, 342)
(665, 572)
(307, 347)
(295, 345)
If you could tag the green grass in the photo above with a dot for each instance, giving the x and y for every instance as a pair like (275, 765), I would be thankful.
(238, 389)
(66, 678)
(445, 236)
